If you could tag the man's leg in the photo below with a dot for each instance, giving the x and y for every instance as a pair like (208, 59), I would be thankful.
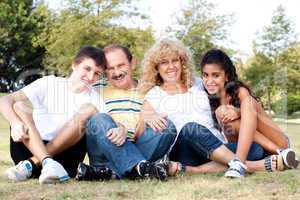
(121, 159)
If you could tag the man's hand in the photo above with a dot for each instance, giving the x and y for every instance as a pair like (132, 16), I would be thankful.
(117, 135)
(156, 121)
(19, 132)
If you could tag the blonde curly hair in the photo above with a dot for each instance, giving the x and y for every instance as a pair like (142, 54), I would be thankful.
(160, 50)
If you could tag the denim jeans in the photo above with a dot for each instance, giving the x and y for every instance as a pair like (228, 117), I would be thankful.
(122, 159)
(196, 143)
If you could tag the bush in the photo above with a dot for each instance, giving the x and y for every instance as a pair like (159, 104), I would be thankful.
(290, 104)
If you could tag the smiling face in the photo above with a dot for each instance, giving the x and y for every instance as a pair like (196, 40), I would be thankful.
(86, 71)
(214, 78)
(119, 69)
(170, 69)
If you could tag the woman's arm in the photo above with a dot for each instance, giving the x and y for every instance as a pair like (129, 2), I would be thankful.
(150, 117)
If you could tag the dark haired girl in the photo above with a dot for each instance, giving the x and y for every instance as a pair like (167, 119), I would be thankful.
(240, 115)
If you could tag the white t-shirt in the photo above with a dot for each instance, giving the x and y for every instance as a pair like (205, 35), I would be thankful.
(192, 106)
(54, 104)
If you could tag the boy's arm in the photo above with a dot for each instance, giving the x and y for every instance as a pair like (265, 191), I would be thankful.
(7, 103)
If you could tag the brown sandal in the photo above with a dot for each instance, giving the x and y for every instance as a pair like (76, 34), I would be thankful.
(279, 163)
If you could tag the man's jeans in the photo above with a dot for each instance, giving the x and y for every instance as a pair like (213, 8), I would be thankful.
(196, 143)
(122, 159)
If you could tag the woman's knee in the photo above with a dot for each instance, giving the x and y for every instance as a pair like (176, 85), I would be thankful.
(171, 127)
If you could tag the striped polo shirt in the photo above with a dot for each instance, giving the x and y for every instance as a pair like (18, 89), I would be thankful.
(124, 106)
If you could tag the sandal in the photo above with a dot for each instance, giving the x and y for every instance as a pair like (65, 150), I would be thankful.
(269, 161)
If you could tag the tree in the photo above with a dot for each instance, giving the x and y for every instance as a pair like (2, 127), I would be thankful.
(272, 57)
(20, 23)
(90, 23)
(200, 28)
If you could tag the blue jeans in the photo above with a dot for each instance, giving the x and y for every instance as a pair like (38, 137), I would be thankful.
(196, 143)
(122, 159)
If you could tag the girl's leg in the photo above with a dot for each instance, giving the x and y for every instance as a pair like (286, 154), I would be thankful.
(270, 129)
(232, 130)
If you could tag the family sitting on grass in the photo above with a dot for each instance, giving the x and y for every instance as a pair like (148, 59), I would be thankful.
(170, 122)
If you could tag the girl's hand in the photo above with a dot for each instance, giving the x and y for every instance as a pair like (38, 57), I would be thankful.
(231, 114)
(227, 113)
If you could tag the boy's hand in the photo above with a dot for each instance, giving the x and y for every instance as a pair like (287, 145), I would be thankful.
(19, 132)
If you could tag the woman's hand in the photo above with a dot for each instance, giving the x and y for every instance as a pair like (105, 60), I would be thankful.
(156, 121)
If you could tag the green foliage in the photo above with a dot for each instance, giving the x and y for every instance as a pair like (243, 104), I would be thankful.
(289, 104)
(200, 28)
(274, 69)
(278, 36)
(80, 24)
(21, 21)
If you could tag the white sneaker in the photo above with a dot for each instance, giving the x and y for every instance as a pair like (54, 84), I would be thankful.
(21, 172)
(236, 169)
(52, 172)
(289, 158)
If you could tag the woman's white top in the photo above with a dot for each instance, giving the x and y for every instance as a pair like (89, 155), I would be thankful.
(191, 106)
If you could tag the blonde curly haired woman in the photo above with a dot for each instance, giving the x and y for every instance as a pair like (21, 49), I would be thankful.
(172, 92)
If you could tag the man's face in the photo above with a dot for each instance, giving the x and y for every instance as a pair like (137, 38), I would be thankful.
(119, 70)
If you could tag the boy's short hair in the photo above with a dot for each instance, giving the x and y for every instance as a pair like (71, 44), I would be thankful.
(93, 53)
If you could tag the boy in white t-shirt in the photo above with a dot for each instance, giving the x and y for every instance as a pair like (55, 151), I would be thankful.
(47, 117)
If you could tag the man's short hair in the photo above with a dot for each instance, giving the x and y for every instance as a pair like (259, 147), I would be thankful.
(112, 47)
(93, 53)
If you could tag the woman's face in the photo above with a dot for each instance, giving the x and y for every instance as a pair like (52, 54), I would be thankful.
(214, 78)
(170, 69)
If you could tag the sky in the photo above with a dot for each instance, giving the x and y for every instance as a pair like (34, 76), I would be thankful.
(250, 17)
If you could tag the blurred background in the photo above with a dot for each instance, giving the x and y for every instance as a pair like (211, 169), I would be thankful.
(40, 37)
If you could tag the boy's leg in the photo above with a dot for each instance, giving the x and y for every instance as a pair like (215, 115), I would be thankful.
(34, 142)
(72, 132)
(71, 157)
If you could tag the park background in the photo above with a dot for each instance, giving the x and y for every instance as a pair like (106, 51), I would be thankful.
(262, 37)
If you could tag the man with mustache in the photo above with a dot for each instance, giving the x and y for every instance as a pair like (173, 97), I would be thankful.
(114, 140)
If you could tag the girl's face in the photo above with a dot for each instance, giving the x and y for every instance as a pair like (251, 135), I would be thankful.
(214, 78)
(170, 69)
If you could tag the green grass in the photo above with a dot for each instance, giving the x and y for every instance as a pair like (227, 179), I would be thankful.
(277, 185)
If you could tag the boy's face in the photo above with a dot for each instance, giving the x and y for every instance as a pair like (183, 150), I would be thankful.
(87, 71)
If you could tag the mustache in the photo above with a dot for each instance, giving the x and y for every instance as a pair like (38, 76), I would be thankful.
(120, 75)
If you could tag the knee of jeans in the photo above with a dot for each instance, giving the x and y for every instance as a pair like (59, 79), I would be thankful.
(97, 122)
(171, 127)
(194, 130)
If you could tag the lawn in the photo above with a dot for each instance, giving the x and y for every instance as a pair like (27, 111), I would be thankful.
(277, 185)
